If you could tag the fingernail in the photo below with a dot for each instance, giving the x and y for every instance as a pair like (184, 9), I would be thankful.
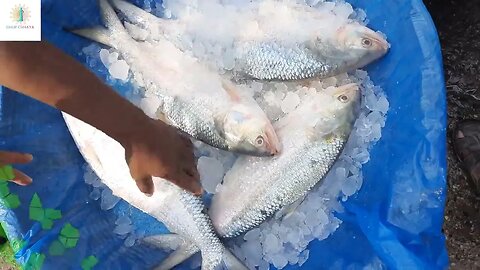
(30, 157)
(148, 194)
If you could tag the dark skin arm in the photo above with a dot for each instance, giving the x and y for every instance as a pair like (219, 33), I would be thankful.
(152, 147)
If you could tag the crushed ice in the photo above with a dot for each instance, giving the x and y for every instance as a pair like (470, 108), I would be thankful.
(278, 241)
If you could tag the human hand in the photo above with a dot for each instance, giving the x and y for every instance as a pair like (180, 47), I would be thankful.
(157, 149)
(7, 158)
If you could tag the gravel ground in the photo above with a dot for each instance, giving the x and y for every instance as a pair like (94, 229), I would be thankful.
(458, 24)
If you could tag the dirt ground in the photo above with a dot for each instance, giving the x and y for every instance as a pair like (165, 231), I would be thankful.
(458, 24)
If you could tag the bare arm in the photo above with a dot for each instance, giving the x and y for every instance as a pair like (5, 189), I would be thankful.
(56, 79)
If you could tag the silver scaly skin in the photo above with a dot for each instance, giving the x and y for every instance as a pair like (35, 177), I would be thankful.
(272, 61)
(313, 137)
(272, 55)
(180, 211)
(194, 99)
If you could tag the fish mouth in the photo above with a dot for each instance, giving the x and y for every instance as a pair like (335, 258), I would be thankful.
(379, 41)
(273, 145)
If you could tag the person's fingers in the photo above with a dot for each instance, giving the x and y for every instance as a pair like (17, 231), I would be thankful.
(188, 143)
(14, 157)
(192, 171)
(21, 178)
(145, 184)
(187, 159)
(188, 183)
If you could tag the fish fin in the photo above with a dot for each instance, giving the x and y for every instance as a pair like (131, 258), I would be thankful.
(109, 35)
(178, 256)
(182, 249)
(287, 210)
(232, 262)
(98, 34)
(166, 241)
(231, 90)
(139, 16)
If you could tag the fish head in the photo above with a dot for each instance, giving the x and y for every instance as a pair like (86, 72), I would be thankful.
(360, 44)
(335, 109)
(249, 131)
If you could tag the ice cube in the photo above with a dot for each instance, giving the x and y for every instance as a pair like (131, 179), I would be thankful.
(150, 106)
(104, 55)
(108, 199)
(252, 235)
(349, 187)
(130, 241)
(264, 265)
(290, 102)
(343, 10)
(252, 251)
(119, 70)
(303, 257)
(211, 173)
(123, 220)
(383, 104)
(279, 261)
(123, 228)
(95, 194)
(272, 244)
(113, 57)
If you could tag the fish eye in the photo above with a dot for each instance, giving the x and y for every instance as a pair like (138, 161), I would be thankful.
(342, 98)
(366, 42)
(259, 140)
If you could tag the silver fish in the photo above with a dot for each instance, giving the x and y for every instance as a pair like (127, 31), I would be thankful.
(180, 211)
(256, 188)
(268, 54)
(313, 137)
(194, 99)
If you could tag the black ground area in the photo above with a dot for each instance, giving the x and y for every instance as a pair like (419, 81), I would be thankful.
(458, 24)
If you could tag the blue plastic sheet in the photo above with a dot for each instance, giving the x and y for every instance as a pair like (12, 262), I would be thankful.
(393, 222)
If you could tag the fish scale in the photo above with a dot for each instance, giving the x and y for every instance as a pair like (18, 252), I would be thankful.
(272, 61)
(191, 119)
(309, 164)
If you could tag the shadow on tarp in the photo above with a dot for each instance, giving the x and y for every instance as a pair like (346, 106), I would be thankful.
(393, 222)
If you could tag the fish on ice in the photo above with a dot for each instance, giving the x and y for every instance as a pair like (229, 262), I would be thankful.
(193, 98)
(268, 40)
(256, 188)
(313, 137)
(180, 211)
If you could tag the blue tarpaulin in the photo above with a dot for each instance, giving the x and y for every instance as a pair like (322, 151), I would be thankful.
(394, 221)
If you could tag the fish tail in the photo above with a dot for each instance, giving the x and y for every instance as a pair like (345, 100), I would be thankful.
(114, 33)
(178, 256)
(231, 262)
(135, 14)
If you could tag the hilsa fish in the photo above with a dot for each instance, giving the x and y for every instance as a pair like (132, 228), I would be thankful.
(313, 137)
(194, 99)
(270, 40)
(180, 211)
(256, 188)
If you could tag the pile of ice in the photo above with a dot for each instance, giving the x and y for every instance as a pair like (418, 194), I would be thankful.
(278, 241)
(284, 241)
(123, 225)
